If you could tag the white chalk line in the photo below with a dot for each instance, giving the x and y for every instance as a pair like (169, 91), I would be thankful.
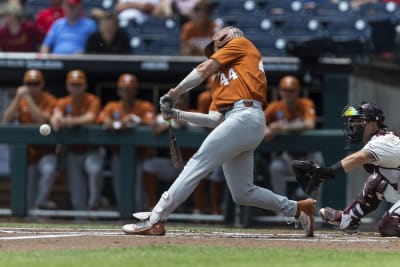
(61, 233)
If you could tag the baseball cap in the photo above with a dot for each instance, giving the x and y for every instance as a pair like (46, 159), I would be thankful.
(33, 76)
(76, 76)
(127, 80)
(289, 83)
(73, 2)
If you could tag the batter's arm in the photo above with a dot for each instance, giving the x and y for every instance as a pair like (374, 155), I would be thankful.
(196, 77)
(210, 120)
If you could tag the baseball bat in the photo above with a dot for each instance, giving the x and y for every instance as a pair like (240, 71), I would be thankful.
(174, 149)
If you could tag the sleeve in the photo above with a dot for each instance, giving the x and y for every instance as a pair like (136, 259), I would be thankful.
(105, 113)
(269, 113)
(60, 105)
(94, 106)
(148, 115)
(49, 40)
(51, 102)
(308, 110)
(231, 52)
(384, 149)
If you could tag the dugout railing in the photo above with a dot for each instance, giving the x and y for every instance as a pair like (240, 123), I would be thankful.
(329, 141)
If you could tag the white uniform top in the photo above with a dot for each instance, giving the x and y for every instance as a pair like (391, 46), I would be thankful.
(386, 149)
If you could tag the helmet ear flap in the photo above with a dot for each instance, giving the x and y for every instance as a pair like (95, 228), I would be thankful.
(209, 49)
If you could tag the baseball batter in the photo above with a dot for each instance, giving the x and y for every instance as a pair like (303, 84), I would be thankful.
(239, 94)
(380, 157)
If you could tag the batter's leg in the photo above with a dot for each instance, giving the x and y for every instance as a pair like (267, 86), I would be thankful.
(239, 177)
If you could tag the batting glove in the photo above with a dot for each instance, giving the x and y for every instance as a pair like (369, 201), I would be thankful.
(165, 103)
(171, 114)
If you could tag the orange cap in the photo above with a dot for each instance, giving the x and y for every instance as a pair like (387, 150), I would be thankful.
(127, 80)
(289, 83)
(76, 76)
(33, 76)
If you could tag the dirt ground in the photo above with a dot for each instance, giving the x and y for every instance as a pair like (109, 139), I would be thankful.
(28, 239)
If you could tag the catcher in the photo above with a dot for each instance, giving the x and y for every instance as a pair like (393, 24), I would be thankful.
(379, 156)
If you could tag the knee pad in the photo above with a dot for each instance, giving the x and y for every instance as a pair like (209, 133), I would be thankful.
(374, 189)
(163, 208)
(389, 224)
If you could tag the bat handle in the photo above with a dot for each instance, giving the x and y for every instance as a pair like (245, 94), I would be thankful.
(169, 122)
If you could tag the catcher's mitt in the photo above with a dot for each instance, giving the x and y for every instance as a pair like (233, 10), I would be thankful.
(307, 175)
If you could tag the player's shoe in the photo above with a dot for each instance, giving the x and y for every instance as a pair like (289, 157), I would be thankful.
(337, 218)
(305, 215)
(331, 216)
(144, 228)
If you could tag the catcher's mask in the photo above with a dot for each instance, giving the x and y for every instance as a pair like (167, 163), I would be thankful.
(356, 117)
(221, 38)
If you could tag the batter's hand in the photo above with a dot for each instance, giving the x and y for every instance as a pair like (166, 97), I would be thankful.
(171, 114)
(166, 103)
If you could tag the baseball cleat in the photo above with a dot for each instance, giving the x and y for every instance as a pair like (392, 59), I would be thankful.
(144, 228)
(331, 216)
(305, 215)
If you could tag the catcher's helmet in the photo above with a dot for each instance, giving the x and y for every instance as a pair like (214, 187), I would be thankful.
(355, 118)
(221, 38)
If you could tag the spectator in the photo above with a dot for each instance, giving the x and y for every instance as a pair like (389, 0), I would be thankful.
(197, 33)
(128, 112)
(47, 16)
(31, 105)
(17, 35)
(136, 10)
(291, 114)
(109, 39)
(182, 9)
(69, 35)
(84, 164)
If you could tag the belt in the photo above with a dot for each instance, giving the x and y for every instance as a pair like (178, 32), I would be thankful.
(240, 103)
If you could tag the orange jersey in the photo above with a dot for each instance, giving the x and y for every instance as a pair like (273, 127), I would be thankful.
(89, 103)
(46, 103)
(277, 110)
(197, 36)
(241, 74)
(141, 108)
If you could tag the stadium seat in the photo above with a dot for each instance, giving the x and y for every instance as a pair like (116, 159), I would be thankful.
(373, 12)
(258, 26)
(159, 28)
(270, 46)
(351, 37)
(327, 12)
(283, 10)
(301, 30)
(232, 11)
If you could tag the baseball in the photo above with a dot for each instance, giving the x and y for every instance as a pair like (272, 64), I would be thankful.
(45, 129)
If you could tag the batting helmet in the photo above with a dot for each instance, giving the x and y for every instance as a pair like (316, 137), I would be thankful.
(33, 76)
(221, 38)
(127, 80)
(289, 83)
(355, 117)
(76, 77)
